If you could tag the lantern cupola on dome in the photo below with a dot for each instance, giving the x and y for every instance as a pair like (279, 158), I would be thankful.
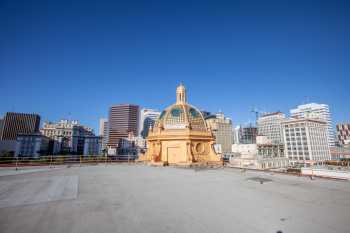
(181, 114)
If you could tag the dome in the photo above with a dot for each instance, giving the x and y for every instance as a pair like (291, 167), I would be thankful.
(181, 115)
(180, 136)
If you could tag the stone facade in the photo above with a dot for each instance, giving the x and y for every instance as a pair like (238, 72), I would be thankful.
(263, 155)
(68, 136)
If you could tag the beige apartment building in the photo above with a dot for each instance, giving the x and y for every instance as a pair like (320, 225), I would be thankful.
(221, 127)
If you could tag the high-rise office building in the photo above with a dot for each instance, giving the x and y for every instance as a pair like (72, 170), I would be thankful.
(19, 123)
(221, 127)
(246, 134)
(147, 119)
(343, 134)
(306, 140)
(1, 125)
(316, 111)
(123, 119)
(103, 132)
(269, 125)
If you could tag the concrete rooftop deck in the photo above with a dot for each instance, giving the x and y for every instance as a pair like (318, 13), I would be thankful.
(137, 198)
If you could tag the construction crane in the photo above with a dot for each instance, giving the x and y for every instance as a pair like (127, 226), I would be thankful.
(257, 113)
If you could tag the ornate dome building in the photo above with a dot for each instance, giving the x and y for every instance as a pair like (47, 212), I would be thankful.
(180, 135)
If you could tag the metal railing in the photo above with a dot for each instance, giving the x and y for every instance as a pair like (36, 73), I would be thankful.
(55, 160)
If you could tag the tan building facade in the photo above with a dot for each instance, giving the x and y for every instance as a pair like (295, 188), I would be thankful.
(180, 136)
(221, 127)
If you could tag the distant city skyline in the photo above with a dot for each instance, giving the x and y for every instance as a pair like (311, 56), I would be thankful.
(74, 61)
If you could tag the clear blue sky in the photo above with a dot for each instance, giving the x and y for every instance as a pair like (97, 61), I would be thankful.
(64, 58)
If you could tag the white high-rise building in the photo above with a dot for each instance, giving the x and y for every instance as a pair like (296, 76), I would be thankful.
(306, 140)
(235, 134)
(147, 119)
(103, 132)
(269, 125)
(316, 111)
